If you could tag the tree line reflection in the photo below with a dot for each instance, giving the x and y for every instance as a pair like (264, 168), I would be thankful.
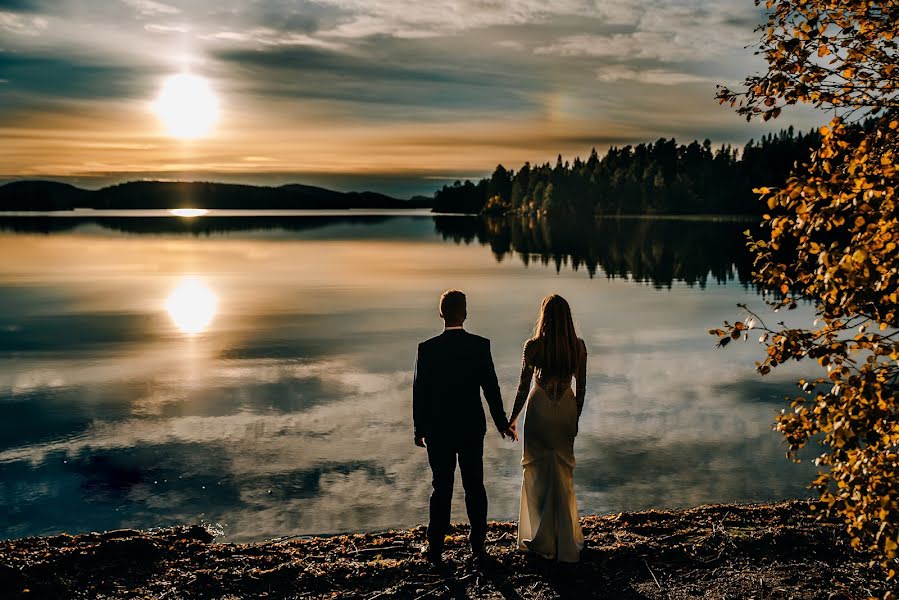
(659, 251)
(651, 250)
(197, 226)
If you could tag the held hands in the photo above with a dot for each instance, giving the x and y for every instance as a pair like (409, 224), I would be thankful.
(511, 431)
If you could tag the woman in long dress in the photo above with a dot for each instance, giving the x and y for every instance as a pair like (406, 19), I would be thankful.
(548, 520)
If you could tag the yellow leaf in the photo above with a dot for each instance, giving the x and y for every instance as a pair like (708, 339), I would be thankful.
(889, 547)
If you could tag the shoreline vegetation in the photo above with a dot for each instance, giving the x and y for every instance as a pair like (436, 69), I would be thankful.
(659, 178)
(775, 550)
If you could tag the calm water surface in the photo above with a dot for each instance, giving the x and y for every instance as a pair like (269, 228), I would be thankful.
(255, 372)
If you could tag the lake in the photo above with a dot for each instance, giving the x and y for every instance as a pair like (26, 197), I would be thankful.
(255, 371)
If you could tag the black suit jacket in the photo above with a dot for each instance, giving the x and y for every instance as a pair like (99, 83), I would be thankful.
(451, 369)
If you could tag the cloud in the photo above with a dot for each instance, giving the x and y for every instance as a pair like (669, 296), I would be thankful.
(651, 76)
(266, 36)
(511, 44)
(20, 5)
(380, 84)
(626, 46)
(151, 8)
(45, 80)
(21, 25)
(160, 28)
(319, 84)
(412, 19)
(667, 32)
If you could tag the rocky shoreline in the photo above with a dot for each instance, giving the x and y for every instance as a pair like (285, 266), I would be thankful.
(715, 551)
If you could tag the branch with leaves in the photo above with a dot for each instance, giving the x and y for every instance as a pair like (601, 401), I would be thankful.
(831, 236)
(831, 54)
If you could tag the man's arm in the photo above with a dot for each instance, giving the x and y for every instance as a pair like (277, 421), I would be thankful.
(490, 385)
(420, 400)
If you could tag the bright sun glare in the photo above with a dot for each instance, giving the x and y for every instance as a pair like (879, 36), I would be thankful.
(191, 305)
(187, 106)
(188, 212)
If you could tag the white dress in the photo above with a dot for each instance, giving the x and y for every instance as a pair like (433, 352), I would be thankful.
(548, 519)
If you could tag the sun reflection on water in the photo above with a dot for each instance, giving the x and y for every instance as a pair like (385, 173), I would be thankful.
(192, 305)
(188, 212)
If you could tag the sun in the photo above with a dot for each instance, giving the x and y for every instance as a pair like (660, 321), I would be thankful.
(192, 305)
(187, 106)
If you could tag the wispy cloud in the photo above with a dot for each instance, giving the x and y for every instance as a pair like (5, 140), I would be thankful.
(412, 19)
(649, 76)
(161, 28)
(267, 36)
(511, 44)
(151, 8)
(666, 47)
(19, 24)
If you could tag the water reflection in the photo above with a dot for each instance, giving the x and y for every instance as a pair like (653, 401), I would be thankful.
(243, 226)
(294, 416)
(188, 212)
(658, 251)
(191, 305)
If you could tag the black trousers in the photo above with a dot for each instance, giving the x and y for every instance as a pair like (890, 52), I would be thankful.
(442, 456)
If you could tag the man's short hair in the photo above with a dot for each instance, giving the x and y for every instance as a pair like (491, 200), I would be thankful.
(452, 306)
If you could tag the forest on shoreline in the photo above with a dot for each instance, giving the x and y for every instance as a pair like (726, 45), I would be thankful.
(660, 177)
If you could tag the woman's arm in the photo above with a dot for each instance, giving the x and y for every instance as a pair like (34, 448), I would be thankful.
(581, 377)
(524, 381)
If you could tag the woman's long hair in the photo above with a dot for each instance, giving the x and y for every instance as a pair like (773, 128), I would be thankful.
(558, 340)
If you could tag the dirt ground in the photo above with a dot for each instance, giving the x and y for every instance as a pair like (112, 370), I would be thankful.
(717, 551)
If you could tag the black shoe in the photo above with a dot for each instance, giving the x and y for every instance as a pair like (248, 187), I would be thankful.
(432, 555)
(481, 560)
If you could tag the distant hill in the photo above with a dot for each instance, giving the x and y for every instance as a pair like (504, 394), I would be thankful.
(50, 195)
(41, 195)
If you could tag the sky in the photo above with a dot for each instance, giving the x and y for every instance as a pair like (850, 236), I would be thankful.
(397, 96)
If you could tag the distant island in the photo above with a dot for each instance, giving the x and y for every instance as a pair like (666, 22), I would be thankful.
(55, 196)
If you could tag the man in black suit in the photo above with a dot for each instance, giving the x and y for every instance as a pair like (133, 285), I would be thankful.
(451, 369)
